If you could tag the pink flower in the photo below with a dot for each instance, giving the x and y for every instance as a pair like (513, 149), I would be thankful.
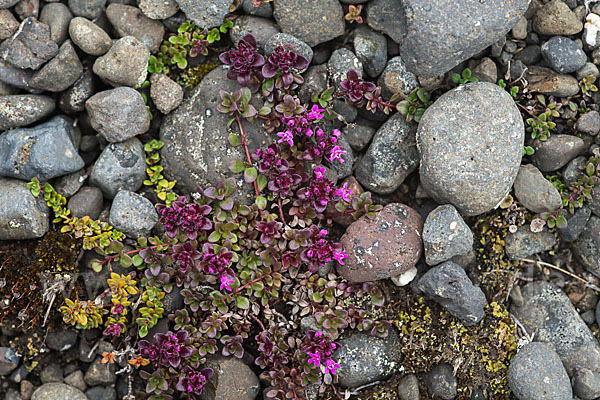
(315, 358)
(225, 281)
(319, 172)
(336, 154)
(286, 136)
(344, 192)
(322, 232)
(315, 113)
(339, 256)
(330, 366)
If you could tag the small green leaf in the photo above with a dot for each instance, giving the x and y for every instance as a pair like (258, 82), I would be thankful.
(261, 202)
(96, 265)
(250, 174)
(242, 302)
(137, 260)
(261, 182)
(125, 260)
(237, 166)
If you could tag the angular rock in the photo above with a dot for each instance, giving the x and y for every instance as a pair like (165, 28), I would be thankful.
(8, 24)
(121, 166)
(118, 114)
(125, 64)
(586, 384)
(589, 123)
(392, 247)
(535, 192)
(87, 201)
(431, 52)
(390, 158)
(545, 81)
(159, 9)
(22, 216)
(132, 214)
(468, 158)
(449, 285)
(60, 72)
(556, 18)
(486, 70)
(551, 317)
(285, 39)
(315, 81)
(408, 388)
(30, 47)
(57, 16)
(556, 152)
(396, 79)
(524, 243)
(73, 99)
(100, 374)
(166, 94)
(575, 224)
(44, 151)
(89, 37)
(341, 61)
(23, 109)
(58, 391)
(131, 21)
(205, 14)
(587, 70)
(563, 55)
(89, 9)
(265, 10)
(387, 16)
(536, 372)
(371, 49)
(27, 8)
(312, 22)
(9, 360)
(261, 28)
(364, 358)
(8, 3)
(587, 246)
(441, 382)
(75, 379)
(101, 393)
(445, 235)
(51, 373)
(195, 152)
(235, 380)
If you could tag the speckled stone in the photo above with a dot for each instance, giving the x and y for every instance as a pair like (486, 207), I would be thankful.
(393, 245)
(57, 16)
(313, 22)
(587, 246)
(537, 373)
(22, 216)
(563, 55)
(396, 79)
(285, 39)
(556, 152)
(548, 314)
(535, 192)
(524, 243)
(131, 21)
(470, 159)
(132, 214)
(430, 52)
(371, 49)
(261, 28)
(545, 81)
(159, 9)
(125, 64)
(58, 391)
(59, 73)
(23, 109)
(8, 24)
(556, 18)
(341, 61)
(205, 14)
(445, 235)
(166, 94)
(87, 8)
(30, 47)
(89, 37)
(364, 358)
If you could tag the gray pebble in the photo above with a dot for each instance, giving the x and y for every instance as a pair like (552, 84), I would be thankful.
(556, 18)
(131, 21)
(87, 201)
(546, 81)
(586, 384)
(535, 192)
(587, 70)
(61, 340)
(22, 216)
(524, 243)
(166, 94)
(587, 246)
(51, 373)
(408, 388)
(68, 185)
(73, 99)
(31, 47)
(60, 72)
(57, 391)
(87, 8)
(441, 382)
(8, 24)
(23, 109)
(57, 16)
(261, 28)
(89, 37)
(75, 379)
(265, 10)
(159, 9)
(556, 152)
(132, 214)
(371, 49)
(563, 55)
(100, 374)
(445, 235)
(395, 78)
(358, 135)
(125, 64)
(341, 61)
(589, 123)
(575, 224)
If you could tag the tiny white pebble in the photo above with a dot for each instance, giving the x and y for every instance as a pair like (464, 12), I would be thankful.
(453, 225)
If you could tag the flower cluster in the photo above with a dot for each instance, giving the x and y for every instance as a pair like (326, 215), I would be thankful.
(282, 61)
(216, 262)
(320, 349)
(169, 350)
(355, 88)
(193, 381)
(321, 251)
(245, 62)
(185, 217)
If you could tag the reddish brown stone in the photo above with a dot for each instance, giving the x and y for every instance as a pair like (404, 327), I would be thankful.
(382, 247)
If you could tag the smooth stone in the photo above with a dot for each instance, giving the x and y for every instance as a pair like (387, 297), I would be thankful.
(441, 382)
(8, 3)
(519, 31)
(535, 192)
(58, 391)
(589, 123)
(125, 64)
(87, 201)
(486, 70)
(587, 246)
(390, 158)
(359, 136)
(468, 159)
(530, 55)
(587, 70)
(594, 202)
(100, 374)
(364, 358)
(371, 49)
(563, 55)
(23, 109)
(554, 153)
(549, 315)
(315, 81)
(118, 114)
(261, 28)
(75, 379)
(445, 235)
(60, 72)
(22, 216)
(545, 81)
(89, 9)
(89, 37)
(586, 384)
(132, 214)
(408, 388)
(166, 94)
(51, 373)
(265, 10)
(312, 22)
(388, 17)
(235, 380)
(9, 360)
(30, 47)
(57, 16)
(575, 224)
(524, 243)
(61, 340)
(120, 166)
(131, 21)
(203, 14)
(159, 9)
(393, 247)
(536, 373)
(44, 151)
(556, 18)
(449, 285)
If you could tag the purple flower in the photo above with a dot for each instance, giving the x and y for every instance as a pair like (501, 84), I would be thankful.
(336, 154)
(225, 281)
(114, 329)
(354, 87)
(320, 349)
(315, 359)
(270, 159)
(319, 252)
(192, 381)
(284, 59)
(245, 62)
(287, 137)
(339, 256)
(344, 192)
(331, 366)
(315, 113)
(269, 231)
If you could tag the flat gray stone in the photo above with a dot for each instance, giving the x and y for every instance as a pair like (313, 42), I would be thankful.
(30, 47)
(441, 382)
(125, 64)
(131, 21)
(8, 24)
(205, 14)
(89, 37)
(445, 235)
(132, 214)
(60, 72)
(524, 243)
(58, 391)
(535, 192)
(89, 9)
(100, 374)
(575, 224)
(556, 152)
(22, 216)
(159, 9)
(470, 159)
(546, 81)
(586, 384)
(563, 55)
(23, 109)
(45, 151)
(587, 246)
(387, 16)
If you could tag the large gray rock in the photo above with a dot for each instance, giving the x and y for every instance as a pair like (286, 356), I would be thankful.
(431, 52)
(390, 158)
(196, 152)
(313, 22)
(586, 384)
(44, 151)
(235, 380)
(549, 315)
(18, 110)
(387, 16)
(445, 235)
(371, 49)
(535, 192)
(131, 21)
(537, 373)
(132, 214)
(587, 246)
(58, 391)
(125, 64)
(118, 114)
(30, 47)
(556, 152)
(469, 158)
(205, 14)
(22, 216)
(449, 285)
(60, 72)
(120, 166)
(524, 243)
(364, 358)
